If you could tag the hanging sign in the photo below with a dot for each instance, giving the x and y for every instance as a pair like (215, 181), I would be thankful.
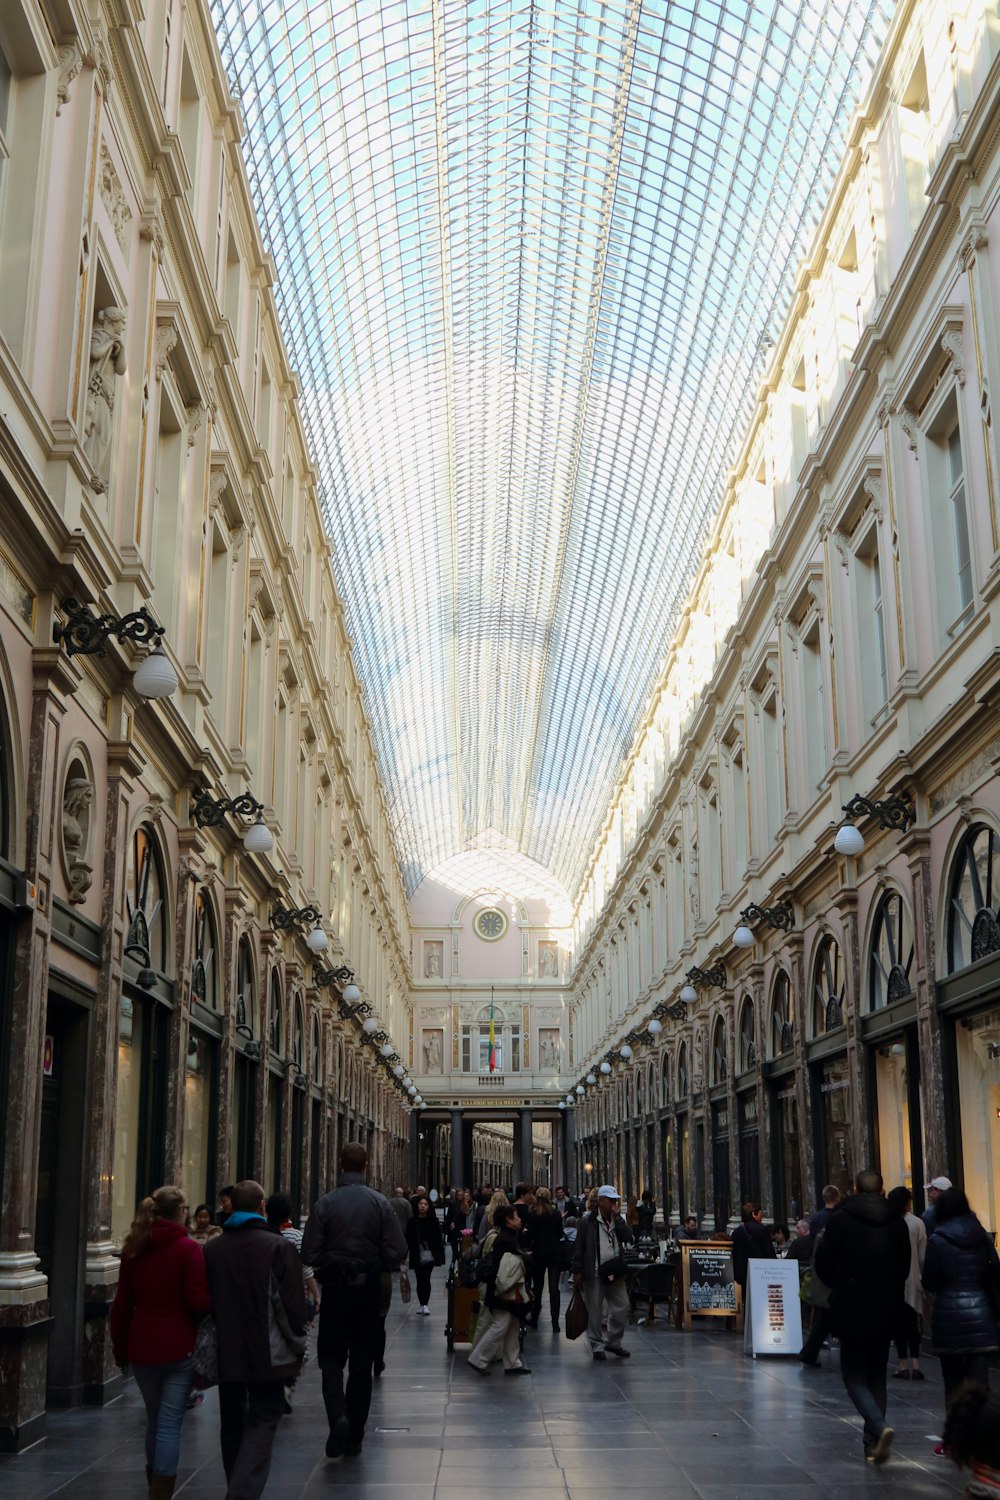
(773, 1312)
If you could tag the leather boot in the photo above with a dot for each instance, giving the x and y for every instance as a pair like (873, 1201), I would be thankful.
(161, 1486)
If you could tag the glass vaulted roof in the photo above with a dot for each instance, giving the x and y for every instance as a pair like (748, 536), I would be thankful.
(529, 256)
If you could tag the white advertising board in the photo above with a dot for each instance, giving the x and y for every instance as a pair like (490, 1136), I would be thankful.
(774, 1313)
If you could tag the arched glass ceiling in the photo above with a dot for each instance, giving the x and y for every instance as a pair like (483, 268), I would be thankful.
(528, 257)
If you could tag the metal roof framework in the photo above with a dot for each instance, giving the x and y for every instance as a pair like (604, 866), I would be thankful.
(529, 254)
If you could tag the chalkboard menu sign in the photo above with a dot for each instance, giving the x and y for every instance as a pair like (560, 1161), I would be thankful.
(709, 1287)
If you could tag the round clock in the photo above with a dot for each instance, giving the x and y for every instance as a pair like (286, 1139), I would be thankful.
(490, 924)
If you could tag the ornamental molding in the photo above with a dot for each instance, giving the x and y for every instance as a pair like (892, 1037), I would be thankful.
(70, 63)
(114, 200)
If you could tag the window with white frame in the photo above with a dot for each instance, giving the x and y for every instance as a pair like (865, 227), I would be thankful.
(913, 118)
(948, 515)
(870, 617)
(506, 1046)
(6, 89)
(770, 734)
(813, 707)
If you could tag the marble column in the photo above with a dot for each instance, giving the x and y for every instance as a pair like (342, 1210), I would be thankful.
(457, 1150)
(525, 1169)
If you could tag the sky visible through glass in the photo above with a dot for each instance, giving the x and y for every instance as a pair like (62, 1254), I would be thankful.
(529, 258)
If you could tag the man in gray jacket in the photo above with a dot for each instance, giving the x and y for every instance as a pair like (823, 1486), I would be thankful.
(352, 1237)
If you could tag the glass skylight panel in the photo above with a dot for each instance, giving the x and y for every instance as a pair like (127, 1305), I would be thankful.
(528, 255)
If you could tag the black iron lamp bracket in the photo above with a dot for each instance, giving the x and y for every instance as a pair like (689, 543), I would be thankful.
(780, 917)
(284, 917)
(894, 812)
(715, 975)
(85, 634)
(209, 813)
(325, 978)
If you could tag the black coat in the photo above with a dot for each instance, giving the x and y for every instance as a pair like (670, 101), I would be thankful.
(239, 1263)
(426, 1231)
(960, 1268)
(863, 1256)
(546, 1239)
(750, 1242)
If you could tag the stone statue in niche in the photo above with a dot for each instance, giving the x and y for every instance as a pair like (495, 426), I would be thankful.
(432, 960)
(548, 1049)
(432, 1052)
(548, 961)
(107, 364)
(77, 797)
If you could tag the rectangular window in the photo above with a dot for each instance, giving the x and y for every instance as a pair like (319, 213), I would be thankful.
(959, 519)
(873, 662)
(770, 736)
(6, 88)
(813, 709)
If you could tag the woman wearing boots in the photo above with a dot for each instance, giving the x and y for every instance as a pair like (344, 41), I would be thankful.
(162, 1296)
(548, 1255)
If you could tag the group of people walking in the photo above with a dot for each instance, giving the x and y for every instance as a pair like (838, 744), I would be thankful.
(874, 1273)
(231, 1304)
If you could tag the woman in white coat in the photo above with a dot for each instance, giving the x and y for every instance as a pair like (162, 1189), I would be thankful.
(900, 1200)
(506, 1298)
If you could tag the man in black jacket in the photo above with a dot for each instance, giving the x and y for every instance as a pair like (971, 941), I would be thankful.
(241, 1264)
(863, 1256)
(352, 1237)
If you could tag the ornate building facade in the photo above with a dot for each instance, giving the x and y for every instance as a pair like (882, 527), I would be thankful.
(161, 1017)
(840, 640)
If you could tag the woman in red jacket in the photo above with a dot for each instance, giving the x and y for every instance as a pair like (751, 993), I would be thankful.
(162, 1296)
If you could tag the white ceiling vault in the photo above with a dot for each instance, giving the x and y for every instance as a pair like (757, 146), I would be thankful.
(529, 257)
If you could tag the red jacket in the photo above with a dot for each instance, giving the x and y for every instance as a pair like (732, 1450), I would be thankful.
(162, 1296)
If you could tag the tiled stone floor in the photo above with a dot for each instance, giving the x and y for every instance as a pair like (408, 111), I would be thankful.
(688, 1417)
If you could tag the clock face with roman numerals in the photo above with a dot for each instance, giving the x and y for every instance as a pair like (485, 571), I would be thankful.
(490, 924)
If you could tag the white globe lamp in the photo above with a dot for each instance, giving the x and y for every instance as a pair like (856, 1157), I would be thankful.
(605, 1068)
(351, 994)
(689, 994)
(849, 840)
(317, 941)
(155, 676)
(626, 1051)
(655, 1026)
(743, 937)
(257, 839)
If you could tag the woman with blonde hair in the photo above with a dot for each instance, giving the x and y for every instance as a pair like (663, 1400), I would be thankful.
(162, 1296)
(493, 1205)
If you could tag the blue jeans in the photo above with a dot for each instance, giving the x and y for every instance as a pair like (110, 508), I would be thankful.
(164, 1389)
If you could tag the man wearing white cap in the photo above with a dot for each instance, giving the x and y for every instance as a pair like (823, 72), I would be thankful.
(599, 1269)
(934, 1189)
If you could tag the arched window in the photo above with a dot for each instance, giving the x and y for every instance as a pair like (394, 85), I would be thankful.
(274, 1027)
(317, 1052)
(246, 1004)
(6, 783)
(828, 988)
(782, 1034)
(146, 934)
(666, 1093)
(720, 1052)
(890, 962)
(204, 979)
(682, 1071)
(973, 897)
(638, 1093)
(747, 1042)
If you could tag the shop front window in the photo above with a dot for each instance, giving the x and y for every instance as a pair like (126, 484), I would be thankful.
(199, 1114)
(787, 1141)
(977, 1041)
(892, 1101)
(837, 1164)
(720, 1053)
(128, 1115)
(204, 987)
(749, 1148)
(890, 963)
(974, 894)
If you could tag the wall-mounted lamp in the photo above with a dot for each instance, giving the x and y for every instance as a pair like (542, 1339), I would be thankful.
(209, 813)
(251, 1047)
(299, 1079)
(625, 1052)
(85, 634)
(780, 917)
(591, 1080)
(284, 917)
(605, 1067)
(894, 812)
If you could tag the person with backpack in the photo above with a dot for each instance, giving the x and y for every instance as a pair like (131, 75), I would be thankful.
(161, 1298)
(506, 1297)
(255, 1277)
